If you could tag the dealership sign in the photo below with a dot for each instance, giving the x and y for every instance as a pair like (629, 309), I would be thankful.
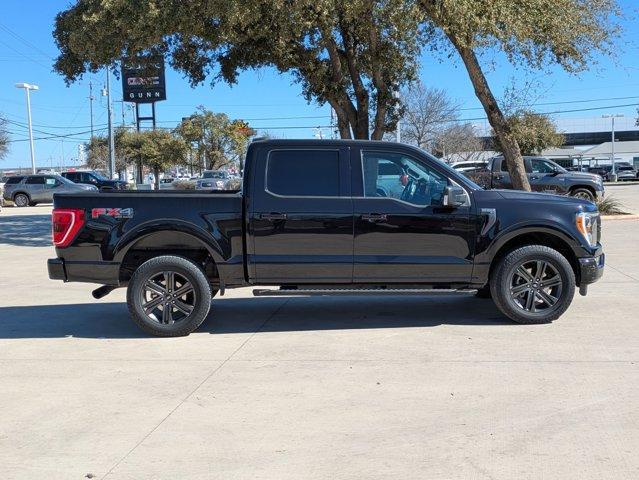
(143, 83)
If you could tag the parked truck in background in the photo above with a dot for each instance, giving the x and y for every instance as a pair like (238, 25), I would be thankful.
(543, 175)
(322, 217)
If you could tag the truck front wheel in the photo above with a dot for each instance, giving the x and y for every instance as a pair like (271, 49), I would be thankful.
(169, 296)
(583, 193)
(533, 284)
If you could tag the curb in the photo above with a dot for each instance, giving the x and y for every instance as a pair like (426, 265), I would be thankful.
(620, 217)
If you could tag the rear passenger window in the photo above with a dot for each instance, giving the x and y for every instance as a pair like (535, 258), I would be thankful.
(303, 173)
(35, 181)
(13, 180)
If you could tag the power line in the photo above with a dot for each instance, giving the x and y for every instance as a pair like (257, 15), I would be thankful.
(25, 41)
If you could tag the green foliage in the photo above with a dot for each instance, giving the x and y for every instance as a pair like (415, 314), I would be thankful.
(213, 140)
(533, 132)
(353, 55)
(610, 206)
(157, 149)
(533, 33)
(97, 151)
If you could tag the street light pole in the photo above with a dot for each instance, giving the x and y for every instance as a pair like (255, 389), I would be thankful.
(27, 87)
(613, 171)
(110, 124)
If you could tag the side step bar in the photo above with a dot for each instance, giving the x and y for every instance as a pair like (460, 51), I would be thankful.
(265, 292)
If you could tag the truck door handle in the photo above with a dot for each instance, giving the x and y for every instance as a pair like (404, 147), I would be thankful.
(375, 217)
(499, 177)
(272, 216)
(534, 177)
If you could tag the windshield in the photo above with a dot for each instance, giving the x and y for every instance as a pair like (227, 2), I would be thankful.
(453, 173)
(99, 175)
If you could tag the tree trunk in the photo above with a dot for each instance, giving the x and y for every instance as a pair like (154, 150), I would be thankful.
(156, 173)
(510, 148)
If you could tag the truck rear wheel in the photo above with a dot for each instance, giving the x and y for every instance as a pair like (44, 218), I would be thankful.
(533, 284)
(169, 296)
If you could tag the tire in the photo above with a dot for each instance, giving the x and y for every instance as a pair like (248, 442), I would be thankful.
(583, 193)
(21, 200)
(149, 299)
(557, 281)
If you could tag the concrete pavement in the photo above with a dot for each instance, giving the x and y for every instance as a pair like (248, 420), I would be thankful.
(314, 388)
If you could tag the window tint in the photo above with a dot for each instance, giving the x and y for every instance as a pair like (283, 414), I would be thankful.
(302, 173)
(504, 167)
(13, 180)
(541, 166)
(35, 181)
(389, 168)
(418, 183)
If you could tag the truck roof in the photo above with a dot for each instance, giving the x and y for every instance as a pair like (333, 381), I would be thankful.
(324, 142)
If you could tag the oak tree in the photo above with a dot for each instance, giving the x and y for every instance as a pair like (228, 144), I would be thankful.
(352, 55)
(531, 33)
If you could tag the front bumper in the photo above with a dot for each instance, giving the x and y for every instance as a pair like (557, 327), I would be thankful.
(104, 273)
(591, 268)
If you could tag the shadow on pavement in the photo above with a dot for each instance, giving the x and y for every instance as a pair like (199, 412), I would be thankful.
(246, 315)
(26, 230)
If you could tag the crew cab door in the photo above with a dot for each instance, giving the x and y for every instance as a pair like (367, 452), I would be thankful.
(300, 216)
(500, 175)
(412, 238)
(542, 175)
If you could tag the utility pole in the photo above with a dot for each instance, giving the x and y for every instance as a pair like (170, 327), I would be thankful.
(613, 171)
(110, 125)
(27, 87)
(91, 98)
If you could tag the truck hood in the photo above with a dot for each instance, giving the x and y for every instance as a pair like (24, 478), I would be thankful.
(537, 198)
(582, 176)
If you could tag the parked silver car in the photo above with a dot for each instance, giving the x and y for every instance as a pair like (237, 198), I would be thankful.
(26, 190)
(213, 180)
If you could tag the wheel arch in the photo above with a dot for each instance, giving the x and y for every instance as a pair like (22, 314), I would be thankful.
(547, 237)
(168, 240)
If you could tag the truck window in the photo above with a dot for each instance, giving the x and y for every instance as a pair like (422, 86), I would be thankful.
(416, 183)
(13, 180)
(538, 165)
(504, 166)
(303, 173)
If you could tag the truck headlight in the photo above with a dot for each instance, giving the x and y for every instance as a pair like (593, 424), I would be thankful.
(586, 223)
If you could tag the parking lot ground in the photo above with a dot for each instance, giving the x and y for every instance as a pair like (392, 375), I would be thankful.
(626, 193)
(314, 388)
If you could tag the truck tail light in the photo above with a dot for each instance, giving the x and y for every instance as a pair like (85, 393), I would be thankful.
(66, 222)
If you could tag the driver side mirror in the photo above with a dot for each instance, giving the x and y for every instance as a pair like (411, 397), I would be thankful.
(455, 196)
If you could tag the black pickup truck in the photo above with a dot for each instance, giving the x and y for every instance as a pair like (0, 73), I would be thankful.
(543, 175)
(329, 217)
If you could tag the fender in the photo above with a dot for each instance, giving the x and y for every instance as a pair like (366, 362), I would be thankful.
(206, 239)
(523, 228)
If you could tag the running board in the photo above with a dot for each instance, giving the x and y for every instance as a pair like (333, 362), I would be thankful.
(264, 292)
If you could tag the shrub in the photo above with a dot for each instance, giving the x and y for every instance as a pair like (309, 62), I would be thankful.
(611, 206)
(183, 185)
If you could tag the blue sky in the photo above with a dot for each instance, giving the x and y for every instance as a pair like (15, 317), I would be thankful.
(265, 97)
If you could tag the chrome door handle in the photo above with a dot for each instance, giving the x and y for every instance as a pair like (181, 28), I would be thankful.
(375, 217)
(272, 216)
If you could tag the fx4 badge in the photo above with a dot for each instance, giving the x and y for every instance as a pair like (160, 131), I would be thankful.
(112, 212)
